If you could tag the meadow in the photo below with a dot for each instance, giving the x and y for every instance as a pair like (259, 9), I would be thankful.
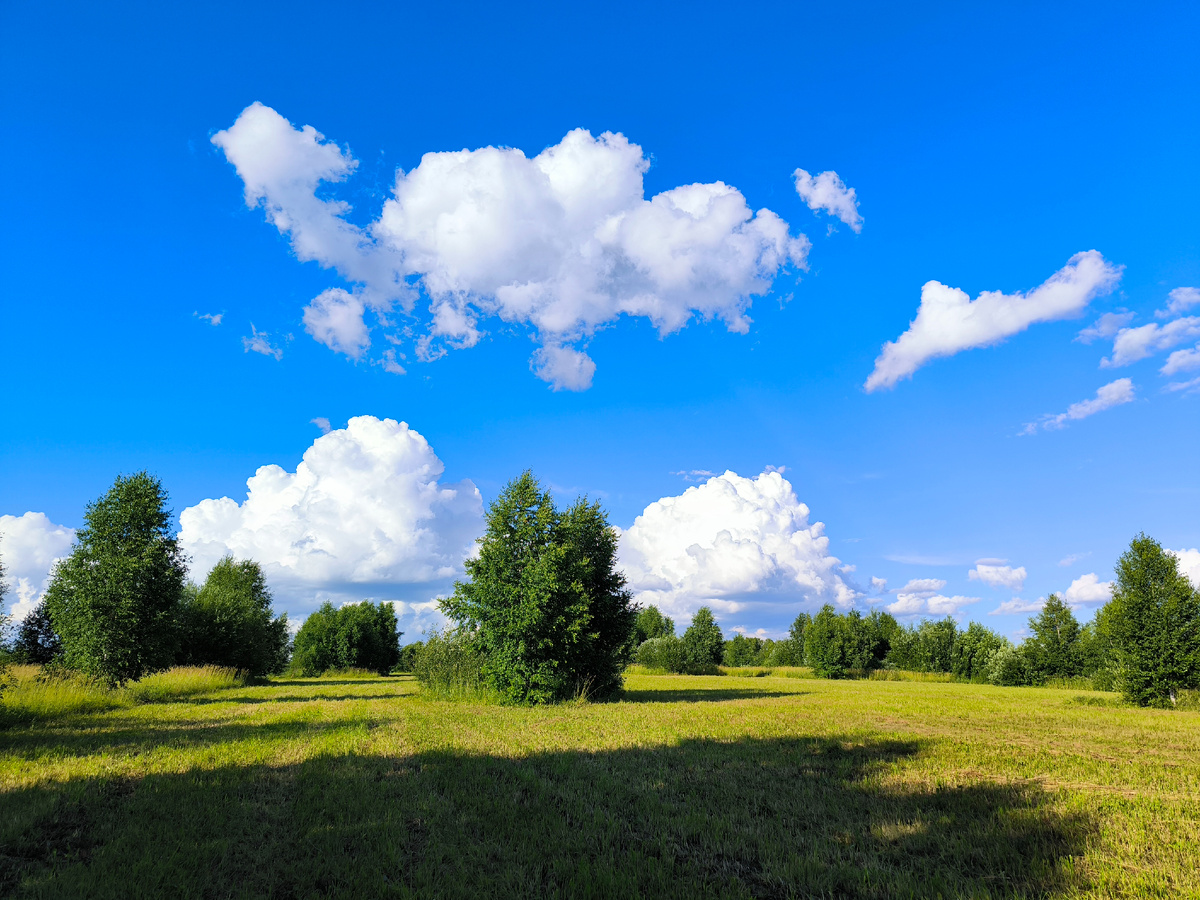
(688, 786)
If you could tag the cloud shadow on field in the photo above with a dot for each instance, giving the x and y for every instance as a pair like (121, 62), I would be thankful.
(762, 818)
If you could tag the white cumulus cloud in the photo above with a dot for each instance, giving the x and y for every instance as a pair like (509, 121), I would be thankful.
(1115, 393)
(1087, 590)
(948, 321)
(1018, 605)
(999, 576)
(1189, 564)
(1106, 326)
(922, 585)
(1182, 361)
(29, 546)
(733, 543)
(826, 191)
(1133, 344)
(564, 242)
(1178, 300)
(363, 515)
(925, 604)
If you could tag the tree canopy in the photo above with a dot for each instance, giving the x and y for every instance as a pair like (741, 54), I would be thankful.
(114, 600)
(544, 599)
(356, 636)
(228, 621)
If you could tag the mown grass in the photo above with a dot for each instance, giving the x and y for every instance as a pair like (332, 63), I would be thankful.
(687, 787)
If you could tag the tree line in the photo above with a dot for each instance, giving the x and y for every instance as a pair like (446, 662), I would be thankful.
(121, 606)
(1144, 642)
(544, 615)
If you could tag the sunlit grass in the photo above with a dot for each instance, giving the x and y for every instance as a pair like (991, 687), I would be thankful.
(688, 787)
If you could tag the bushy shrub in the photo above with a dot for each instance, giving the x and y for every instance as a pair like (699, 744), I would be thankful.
(826, 643)
(1008, 666)
(408, 657)
(545, 600)
(228, 622)
(742, 651)
(665, 653)
(703, 643)
(450, 665)
(973, 650)
(357, 636)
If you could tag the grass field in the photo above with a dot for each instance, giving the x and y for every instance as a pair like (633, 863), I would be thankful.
(690, 787)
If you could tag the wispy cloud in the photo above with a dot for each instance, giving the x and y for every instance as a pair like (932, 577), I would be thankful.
(1112, 394)
(259, 342)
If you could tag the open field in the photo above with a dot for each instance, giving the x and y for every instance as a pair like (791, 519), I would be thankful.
(689, 787)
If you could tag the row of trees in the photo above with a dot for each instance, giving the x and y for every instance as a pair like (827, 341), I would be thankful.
(1145, 641)
(120, 605)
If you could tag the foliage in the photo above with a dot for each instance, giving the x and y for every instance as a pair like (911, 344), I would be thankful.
(742, 651)
(450, 665)
(1053, 646)
(826, 643)
(408, 656)
(36, 642)
(1009, 666)
(229, 622)
(664, 653)
(544, 599)
(1155, 625)
(973, 649)
(703, 643)
(114, 600)
(836, 645)
(927, 647)
(651, 623)
(357, 636)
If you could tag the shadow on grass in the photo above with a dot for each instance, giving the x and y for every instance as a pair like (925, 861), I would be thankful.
(804, 817)
(239, 699)
(321, 682)
(702, 695)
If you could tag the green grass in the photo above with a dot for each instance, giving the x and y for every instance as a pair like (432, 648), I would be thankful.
(31, 697)
(689, 787)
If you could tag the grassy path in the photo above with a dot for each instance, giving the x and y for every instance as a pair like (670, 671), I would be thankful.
(690, 787)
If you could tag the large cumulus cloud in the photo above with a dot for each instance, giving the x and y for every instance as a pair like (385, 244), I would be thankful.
(564, 242)
(29, 546)
(737, 544)
(363, 515)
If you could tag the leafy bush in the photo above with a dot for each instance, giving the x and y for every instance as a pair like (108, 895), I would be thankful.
(1155, 623)
(1008, 666)
(408, 657)
(973, 649)
(114, 600)
(545, 600)
(742, 651)
(450, 665)
(36, 642)
(665, 653)
(703, 643)
(826, 643)
(228, 621)
(357, 636)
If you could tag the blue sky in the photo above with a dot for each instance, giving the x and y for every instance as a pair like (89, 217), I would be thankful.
(986, 147)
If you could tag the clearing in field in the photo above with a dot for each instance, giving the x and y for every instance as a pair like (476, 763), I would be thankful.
(687, 787)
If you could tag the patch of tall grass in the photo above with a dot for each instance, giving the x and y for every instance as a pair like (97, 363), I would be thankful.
(450, 667)
(904, 675)
(36, 694)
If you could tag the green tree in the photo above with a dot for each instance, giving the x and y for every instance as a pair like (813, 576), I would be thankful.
(742, 651)
(703, 643)
(827, 644)
(651, 623)
(1053, 645)
(665, 653)
(356, 636)
(1155, 625)
(36, 641)
(114, 600)
(229, 622)
(544, 598)
(973, 650)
